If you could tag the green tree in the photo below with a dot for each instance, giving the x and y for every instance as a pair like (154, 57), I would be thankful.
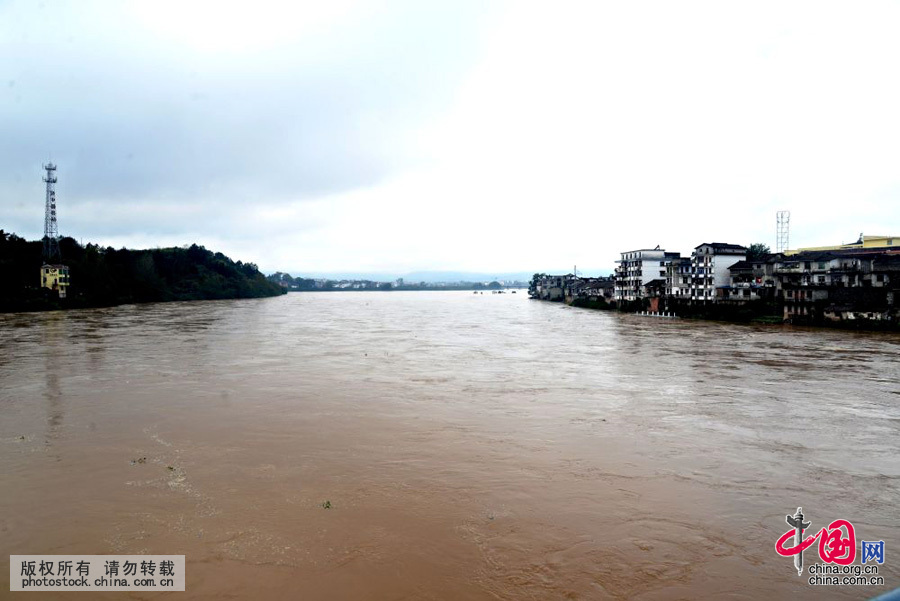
(106, 276)
(757, 251)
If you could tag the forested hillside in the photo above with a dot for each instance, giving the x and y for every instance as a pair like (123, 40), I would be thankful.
(106, 276)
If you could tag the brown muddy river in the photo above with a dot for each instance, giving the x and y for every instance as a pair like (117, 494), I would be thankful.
(471, 447)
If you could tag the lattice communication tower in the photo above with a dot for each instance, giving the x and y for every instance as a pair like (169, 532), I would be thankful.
(51, 232)
(782, 230)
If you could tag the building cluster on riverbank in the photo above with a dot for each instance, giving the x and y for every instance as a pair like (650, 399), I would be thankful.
(857, 281)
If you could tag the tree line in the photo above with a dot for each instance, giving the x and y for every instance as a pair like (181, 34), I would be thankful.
(106, 276)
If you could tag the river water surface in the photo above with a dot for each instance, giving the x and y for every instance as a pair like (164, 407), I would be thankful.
(470, 446)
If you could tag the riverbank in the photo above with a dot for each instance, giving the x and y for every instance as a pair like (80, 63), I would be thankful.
(754, 312)
(104, 277)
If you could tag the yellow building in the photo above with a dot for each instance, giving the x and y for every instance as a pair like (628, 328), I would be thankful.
(55, 277)
(868, 242)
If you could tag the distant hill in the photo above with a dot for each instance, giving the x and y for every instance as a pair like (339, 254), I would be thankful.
(106, 276)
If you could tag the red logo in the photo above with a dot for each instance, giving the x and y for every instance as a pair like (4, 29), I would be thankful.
(837, 543)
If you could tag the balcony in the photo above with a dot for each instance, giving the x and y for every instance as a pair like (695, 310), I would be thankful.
(789, 268)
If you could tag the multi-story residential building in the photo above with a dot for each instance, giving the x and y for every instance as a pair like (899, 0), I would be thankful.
(551, 287)
(569, 287)
(838, 285)
(744, 285)
(637, 268)
(865, 243)
(678, 277)
(751, 280)
(602, 287)
(709, 268)
(555, 287)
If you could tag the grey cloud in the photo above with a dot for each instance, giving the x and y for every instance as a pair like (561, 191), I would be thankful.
(132, 122)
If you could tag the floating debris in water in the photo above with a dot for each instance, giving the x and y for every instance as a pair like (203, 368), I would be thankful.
(326, 505)
(136, 461)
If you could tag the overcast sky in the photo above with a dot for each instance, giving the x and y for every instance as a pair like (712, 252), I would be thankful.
(479, 136)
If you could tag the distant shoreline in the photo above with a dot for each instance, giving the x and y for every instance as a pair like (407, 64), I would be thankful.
(405, 289)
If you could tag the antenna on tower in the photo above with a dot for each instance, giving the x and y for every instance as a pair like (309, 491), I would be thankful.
(782, 230)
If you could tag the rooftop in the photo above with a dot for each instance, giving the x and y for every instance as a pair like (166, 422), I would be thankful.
(742, 265)
(723, 246)
(864, 242)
